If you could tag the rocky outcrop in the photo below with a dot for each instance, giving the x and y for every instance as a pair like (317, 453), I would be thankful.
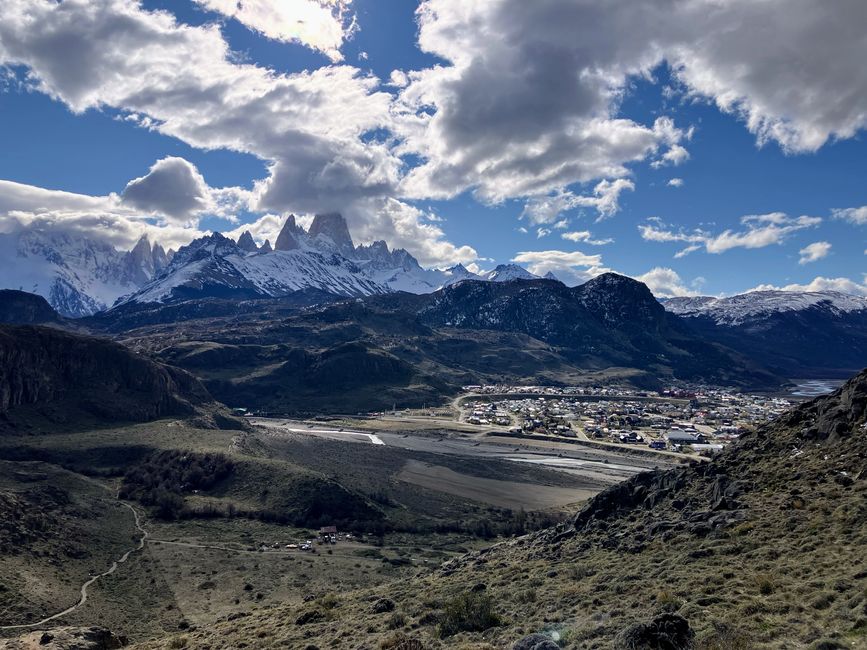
(22, 308)
(535, 642)
(67, 638)
(707, 497)
(833, 417)
(246, 243)
(59, 374)
(287, 240)
(334, 227)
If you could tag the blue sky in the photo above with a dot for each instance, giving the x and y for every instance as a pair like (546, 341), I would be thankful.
(438, 161)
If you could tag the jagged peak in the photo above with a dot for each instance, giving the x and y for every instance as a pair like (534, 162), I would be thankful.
(287, 240)
(266, 247)
(245, 242)
(333, 226)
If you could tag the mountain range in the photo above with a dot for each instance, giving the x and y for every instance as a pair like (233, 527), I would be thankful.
(81, 276)
(763, 337)
(77, 275)
(314, 352)
(796, 334)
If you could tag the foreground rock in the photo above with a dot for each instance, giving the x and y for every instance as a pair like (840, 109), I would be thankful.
(66, 638)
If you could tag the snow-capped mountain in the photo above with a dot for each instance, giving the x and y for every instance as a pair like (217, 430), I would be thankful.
(78, 276)
(215, 266)
(507, 273)
(815, 334)
(323, 257)
(757, 305)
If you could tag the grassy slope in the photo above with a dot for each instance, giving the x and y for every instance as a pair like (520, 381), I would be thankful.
(763, 548)
(55, 527)
(168, 586)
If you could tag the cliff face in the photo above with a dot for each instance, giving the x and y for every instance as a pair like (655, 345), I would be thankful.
(22, 308)
(62, 375)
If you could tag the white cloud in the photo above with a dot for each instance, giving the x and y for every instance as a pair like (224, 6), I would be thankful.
(665, 283)
(526, 104)
(675, 155)
(761, 231)
(575, 267)
(406, 226)
(857, 216)
(605, 200)
(570, 267)
(173, 187)
(117, 229)
(814, 252)
(675, 182)
(585, 236)
(184, 81)
(319, 24)
(529, 100)
(844, 285)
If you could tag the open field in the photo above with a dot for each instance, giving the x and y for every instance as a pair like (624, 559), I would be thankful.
(421, 497)
(505, 494)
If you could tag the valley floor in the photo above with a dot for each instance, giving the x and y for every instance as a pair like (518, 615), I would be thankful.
(443, 492)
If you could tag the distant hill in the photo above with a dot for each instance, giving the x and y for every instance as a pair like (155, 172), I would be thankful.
(406, 349)
(796, 334)
(48, 375)
(22, 308)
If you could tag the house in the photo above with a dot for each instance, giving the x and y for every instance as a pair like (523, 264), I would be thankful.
(328, 530)
(674, 437)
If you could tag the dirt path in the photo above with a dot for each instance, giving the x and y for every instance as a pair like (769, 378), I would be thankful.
(123, 558)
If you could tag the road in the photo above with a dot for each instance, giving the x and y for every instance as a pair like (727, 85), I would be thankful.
(84, 587)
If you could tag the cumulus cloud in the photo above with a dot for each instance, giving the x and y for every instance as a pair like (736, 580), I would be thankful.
(528, 102)
(405, 226)
(665, 283)
(676, 155)
(319, 24)
(118, 230)
(844, 285)
(814, 252)
(675, 182)
(184, 81)
(106, 219)
(570, 268)
(760, 231)
(173, 187)
(857, 216)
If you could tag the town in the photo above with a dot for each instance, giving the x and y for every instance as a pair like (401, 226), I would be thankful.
(698, 420)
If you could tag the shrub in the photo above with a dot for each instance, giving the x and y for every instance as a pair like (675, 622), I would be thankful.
(766, 583)
(468, 612)
(667, 601)
(396, 620)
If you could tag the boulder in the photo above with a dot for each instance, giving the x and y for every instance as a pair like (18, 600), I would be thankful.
(665, 632)
(535, 642)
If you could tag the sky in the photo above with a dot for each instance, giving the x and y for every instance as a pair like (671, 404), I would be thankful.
(702, 146)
